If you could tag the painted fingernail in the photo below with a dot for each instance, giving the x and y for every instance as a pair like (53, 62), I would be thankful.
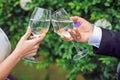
(76, 24)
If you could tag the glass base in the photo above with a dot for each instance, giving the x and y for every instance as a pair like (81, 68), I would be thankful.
(80, 55)
(30, 59)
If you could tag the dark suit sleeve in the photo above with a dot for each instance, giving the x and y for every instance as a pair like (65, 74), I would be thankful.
(109, 45)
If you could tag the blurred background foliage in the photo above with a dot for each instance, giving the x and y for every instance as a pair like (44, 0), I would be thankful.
(14, 20)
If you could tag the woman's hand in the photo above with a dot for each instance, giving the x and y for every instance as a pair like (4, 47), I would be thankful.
(27, 47)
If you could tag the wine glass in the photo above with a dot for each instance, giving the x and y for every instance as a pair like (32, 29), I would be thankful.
(39, 22)
(61, 23)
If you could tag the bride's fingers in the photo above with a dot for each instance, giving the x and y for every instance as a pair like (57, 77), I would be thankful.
(31, 53)
(32, 37)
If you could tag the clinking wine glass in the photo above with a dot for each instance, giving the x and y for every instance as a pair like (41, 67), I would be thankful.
(39, 22)
(61, 23)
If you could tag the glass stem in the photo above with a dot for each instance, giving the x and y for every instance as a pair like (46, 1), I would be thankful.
(77, 49)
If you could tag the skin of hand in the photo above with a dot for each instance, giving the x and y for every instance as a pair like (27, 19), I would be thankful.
(24, 47)
(82, 33)
(28, 47)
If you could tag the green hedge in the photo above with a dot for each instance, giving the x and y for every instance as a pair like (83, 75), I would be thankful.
(14, 20)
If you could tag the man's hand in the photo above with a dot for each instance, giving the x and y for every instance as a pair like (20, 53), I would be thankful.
(81, 33)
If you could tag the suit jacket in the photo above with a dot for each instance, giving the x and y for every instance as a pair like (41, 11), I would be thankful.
(109, 45)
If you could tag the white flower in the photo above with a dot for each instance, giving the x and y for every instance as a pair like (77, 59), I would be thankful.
(103, 23)
(23, 4)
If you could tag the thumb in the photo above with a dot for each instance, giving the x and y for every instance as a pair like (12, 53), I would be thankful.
(77, 19)
(74, 18)
(28, 33)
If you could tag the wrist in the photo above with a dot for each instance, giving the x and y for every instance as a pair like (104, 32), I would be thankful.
(18, 54)
(96, 36)
(88, 33)
(91, 31)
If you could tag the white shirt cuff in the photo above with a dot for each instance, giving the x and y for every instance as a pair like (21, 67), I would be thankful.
(95, 39)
